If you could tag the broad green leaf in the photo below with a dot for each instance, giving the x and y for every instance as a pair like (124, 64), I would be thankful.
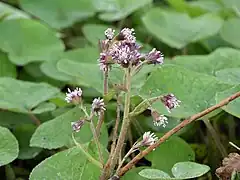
(188, 170)
(219, 59)
(44, 107)
(11, 12)
(232, 4)
(196, 91)
(57, 132)
(8, 146)
(232, 107)
(132, 174)
(59, 13)
(22, 96)
(165, 26)
(23, 134)
(70, 164)
(88, 73)
(88, 55)
(7, 68)
(229, 75)
(170, 152)
(27, 40)
(122, 9)
(230, 31)
(154, 174)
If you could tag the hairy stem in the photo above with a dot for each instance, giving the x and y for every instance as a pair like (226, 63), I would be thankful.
(214, 135)
(105, 91)
(174, 130)
(90, 158)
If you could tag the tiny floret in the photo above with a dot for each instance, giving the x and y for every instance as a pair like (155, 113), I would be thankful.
(170, 102)
(76, 126)
(74, 96)
(154, 57)
(109, 33)
(128, 35)
(161, 121)
(149, 139)
(98, 106)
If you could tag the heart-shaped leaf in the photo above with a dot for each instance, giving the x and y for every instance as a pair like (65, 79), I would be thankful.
(8, 146)
(59, 13)
(22, 96)
(27, 40)
(196, 91)
(68, 165)
(165, 26)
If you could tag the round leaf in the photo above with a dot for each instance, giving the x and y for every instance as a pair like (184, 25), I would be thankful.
(8, 146)
(66, 165)
(27, 40)
(154, 174)
(59, 13)
(188, 170)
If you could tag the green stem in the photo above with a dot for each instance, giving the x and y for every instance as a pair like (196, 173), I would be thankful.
(215, 137)
(90, 158)
(125, 123)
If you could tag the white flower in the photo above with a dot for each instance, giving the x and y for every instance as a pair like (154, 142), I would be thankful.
(128, 35)
(160, 121)
(109, 33)
(98, 105)
(76, 126)
(170, 102)
(149, 139)
(74, 96)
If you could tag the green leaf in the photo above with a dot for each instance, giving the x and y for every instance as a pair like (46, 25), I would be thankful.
(165, 26)
(219, 59)
(8, 146)
(132, 174)
(154, 174)
(122, 8)
(7, 68)
(188, 170)
(44, 107)
(89, 74)
(195, 91)
(59, 13)
(229, 31)
(170, 152)
(70, 164)
(232, 107)
(57, 132)
(23, 134)
(27, 40)
(11, 12)
(229, 75)
(22, 96)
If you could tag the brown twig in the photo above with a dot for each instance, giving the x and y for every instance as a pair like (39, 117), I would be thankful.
(105, 91)
(34, 118)
(173, 131)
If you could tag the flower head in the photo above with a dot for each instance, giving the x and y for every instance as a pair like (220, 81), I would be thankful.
(161, 121)
(170, 102)
(74, 96)
(154, 57)
(149, 139)
(98, 106)
(76, 126)
(103, 61)
(128, 35)
(109, 33)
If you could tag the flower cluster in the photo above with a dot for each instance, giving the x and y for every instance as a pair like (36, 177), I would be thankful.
(98, 106)
(74, 96)
(149, 139)
(76, 126)
(123, 49)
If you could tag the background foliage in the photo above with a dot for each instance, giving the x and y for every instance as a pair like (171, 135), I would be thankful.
(49, 45)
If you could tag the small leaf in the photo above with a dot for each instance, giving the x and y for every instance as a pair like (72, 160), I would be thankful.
(133, 174)
(170, 152)
(22, 96)
(165, 26)
(154, 174)
(8, 146)
(27, 40)
(188, 170)
(68, 165)
(59, 13)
